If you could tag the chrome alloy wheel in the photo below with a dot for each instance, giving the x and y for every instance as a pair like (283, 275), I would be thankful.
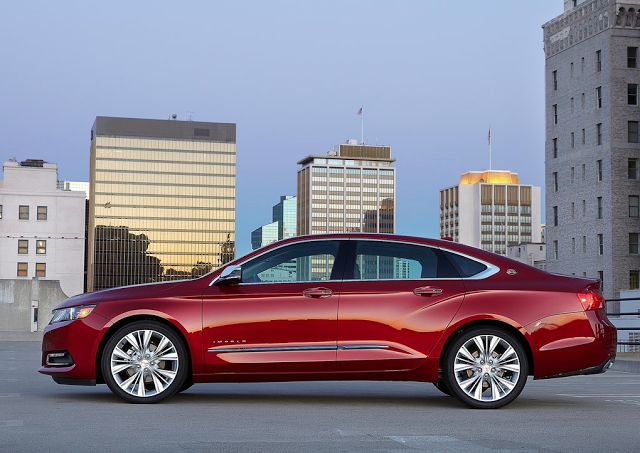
(144, 363)
(487, 368)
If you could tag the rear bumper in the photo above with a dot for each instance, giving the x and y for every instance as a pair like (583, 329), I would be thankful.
(598, 369)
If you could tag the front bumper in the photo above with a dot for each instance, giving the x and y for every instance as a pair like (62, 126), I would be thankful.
(69, 349)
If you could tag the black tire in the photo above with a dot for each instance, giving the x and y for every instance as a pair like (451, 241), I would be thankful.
(145, 362)
(492, 368)
(440, 385)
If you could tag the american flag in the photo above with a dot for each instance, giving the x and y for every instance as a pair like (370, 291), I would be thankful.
(489, 137)
(360, 111)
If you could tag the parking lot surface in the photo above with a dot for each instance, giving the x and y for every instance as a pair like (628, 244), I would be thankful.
(578, 414)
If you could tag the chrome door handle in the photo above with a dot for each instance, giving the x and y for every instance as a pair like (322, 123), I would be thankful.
(427, 291)
(319, 293)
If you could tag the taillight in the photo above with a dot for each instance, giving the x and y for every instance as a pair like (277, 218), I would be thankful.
(591, 300)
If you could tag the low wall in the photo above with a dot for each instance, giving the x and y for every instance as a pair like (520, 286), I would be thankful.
(17, 296)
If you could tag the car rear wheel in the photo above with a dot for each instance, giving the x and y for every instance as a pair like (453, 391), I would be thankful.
(145, 362)
(440, 385)
(485, 368)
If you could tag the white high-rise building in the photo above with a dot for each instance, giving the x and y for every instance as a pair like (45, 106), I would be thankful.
(490, 210)
(42, 228)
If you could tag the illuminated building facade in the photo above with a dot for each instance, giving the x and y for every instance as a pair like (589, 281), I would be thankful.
(162, 200)
(490, 210)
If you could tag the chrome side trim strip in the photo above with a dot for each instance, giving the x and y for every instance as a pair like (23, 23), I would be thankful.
(274, 349)
(362, 346)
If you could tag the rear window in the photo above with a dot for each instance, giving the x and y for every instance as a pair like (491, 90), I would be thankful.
(466, 266)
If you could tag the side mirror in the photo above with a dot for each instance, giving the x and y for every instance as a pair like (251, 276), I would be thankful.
(230, 275)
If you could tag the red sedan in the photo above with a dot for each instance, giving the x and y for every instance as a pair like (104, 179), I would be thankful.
(338, 307)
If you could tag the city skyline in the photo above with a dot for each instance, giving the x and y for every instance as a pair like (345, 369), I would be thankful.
(430, 80)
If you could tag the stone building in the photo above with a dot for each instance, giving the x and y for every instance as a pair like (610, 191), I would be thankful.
(592, 155)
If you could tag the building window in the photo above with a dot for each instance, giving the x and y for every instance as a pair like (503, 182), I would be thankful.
(633, 243)
(632, 57)
(600, 242)
(584, 207)
(582, 65)
(633, 132)
(23, 212)
(599, 170)
(573, 171)
(571, 69)
(584, 137)
(0, 211)
(598, 60)
(573, 246)
(573, 210)
(632, 168)
(633, 206)
(41, 247)
(554, 77)
(555, 181)
(42, 213)
(555, 148)
(555, 250)
(41, 269)
(634, 278)
(555, 113)
(573, 140)
(23, 247)
(584, 244)
(571, 105)
(632, 94)
(599, 210)
(22, 270)
(584, 171)
(582, 101)
(555, 216)
(601, 278)
(599, 97)
(599, 133)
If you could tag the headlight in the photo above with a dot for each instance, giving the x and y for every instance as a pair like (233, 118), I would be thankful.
(69, 314)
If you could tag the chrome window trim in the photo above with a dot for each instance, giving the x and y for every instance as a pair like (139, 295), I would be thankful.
(488, 272)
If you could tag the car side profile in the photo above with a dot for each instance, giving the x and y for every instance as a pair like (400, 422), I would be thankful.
(338, 307)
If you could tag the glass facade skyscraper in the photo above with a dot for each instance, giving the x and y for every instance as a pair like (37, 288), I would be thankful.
(162, 200)
(282, 227)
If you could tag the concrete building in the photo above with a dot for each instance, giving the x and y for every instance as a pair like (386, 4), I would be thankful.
(283, 225)
(629, 321)
(162, 200)
(42, 230)
(491, 210)
(592, 157)
(352, 188)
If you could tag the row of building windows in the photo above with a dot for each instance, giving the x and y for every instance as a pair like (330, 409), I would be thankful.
(632, 63)
(23, 212)
(632, 137)
(634, 209)
(23, 270)
(633, 168)
(23, 247)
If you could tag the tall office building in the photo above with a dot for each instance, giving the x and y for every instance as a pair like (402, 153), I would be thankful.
(162, 200)
(490, 210)
(283, 225)
(592, 157)
(350, 189)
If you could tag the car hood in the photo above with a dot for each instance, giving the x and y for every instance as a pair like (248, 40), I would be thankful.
(123, 292)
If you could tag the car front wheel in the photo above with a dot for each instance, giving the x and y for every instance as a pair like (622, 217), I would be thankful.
(485, 368)
(144, 362)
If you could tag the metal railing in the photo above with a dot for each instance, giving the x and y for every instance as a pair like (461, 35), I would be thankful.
(635, 345)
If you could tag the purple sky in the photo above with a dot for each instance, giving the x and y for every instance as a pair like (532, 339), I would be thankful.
(431, 76)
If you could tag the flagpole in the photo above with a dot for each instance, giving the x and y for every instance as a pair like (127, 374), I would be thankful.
(489, 148)
(362, 125)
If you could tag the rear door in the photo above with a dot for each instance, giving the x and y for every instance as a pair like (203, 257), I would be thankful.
(396, 300)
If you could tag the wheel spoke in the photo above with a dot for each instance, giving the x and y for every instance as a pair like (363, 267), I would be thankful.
(481, 349)
(134, 342)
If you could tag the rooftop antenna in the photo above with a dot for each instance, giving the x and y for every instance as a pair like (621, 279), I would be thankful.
(190, 115)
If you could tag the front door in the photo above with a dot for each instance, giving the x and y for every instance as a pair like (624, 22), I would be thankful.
(282, 317)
